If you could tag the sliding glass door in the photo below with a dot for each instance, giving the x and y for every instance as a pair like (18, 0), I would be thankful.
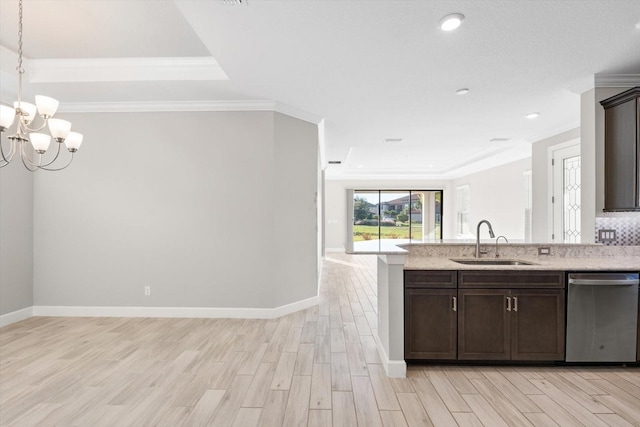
(402, 215)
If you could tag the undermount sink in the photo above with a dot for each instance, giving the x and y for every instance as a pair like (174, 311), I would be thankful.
(491, 262)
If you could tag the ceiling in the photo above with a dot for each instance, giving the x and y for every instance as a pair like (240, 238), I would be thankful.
(370, 70)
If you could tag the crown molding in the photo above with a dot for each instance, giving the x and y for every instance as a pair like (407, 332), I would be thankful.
(557, 130)
(124, 69)
(604, 80)
(616, 80)
(487, 159)
(165, 106)
(181, 106)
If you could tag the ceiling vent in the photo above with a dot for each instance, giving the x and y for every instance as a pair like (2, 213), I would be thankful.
(335, 162)
(391, 140)
(235, 2)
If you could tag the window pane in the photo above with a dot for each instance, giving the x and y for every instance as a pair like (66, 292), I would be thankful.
(571, 212)
(463, 201)
(394, 214)
(365, 215)
(426, 215)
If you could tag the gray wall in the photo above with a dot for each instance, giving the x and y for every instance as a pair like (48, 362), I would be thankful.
(295, 208)
(498, 195)
(198, 205)
(16, 237)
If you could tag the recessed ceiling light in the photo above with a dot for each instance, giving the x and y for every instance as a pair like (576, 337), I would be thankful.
(451, 21)
(393, 140)
(498, 140)
(462, 91)
(532, 115)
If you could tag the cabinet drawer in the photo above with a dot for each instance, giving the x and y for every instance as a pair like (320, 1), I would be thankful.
(510, 279)
(430, 279)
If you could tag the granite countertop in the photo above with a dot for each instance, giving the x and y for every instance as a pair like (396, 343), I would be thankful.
(538, 263)
(561, 257)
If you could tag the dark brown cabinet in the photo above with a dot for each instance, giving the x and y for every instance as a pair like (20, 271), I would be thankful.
(430, 307)
(485, 315)
(516, 324)
(622, 151)
(511, 315)
(537, 324)
(430, 324)
(485, 326)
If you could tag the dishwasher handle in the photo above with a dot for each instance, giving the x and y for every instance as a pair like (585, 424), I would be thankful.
(604, 282)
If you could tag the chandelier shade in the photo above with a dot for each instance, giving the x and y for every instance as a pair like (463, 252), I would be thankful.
(7, 115)
(25, 115)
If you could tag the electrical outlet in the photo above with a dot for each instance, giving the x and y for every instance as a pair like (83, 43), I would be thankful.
(147, 290)
(544, 250)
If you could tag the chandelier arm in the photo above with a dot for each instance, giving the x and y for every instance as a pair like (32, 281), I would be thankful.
(54, 159)
(7, 158)
(27, 128)
(57, 169)
(26, 159)
(27, 166)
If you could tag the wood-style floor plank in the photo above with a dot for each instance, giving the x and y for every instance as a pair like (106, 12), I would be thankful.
(344, 409)
(319, 418)
(413, 410)
(320, 387)
(365, 401)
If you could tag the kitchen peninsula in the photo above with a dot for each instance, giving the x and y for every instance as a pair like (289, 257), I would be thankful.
(534, 259)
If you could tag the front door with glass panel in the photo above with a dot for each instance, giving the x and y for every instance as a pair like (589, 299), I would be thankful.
(565, 162)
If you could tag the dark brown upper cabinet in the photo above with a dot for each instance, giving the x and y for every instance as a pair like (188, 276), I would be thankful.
(622, 151)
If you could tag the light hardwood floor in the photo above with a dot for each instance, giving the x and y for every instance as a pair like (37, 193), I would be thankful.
(317, 367)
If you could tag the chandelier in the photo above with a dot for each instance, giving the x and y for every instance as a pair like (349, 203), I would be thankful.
(24, 114)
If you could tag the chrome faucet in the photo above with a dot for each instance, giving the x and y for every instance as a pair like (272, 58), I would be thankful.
(484, 221)
(498, 239)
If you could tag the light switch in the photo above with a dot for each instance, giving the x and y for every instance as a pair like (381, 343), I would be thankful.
(606, 235)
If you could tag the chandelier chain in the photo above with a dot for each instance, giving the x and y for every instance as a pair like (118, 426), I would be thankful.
(19, 67)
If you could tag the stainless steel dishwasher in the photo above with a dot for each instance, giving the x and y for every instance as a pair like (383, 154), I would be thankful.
(602, 317)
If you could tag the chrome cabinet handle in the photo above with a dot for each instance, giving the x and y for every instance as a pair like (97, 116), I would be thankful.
(515, 303)
(508, 303)
(455, 304)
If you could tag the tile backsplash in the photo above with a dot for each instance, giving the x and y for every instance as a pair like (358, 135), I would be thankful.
(626, 226)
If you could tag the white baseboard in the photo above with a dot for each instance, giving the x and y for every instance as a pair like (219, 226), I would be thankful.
(393, 368)
(283, 310)
(176, 312)
(16, 316)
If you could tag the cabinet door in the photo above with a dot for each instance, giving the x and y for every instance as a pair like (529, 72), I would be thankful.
(621, 157)
(430, 324)
(537, 324)
(483, 324)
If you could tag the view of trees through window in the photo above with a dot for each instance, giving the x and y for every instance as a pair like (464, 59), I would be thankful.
(394, 214)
